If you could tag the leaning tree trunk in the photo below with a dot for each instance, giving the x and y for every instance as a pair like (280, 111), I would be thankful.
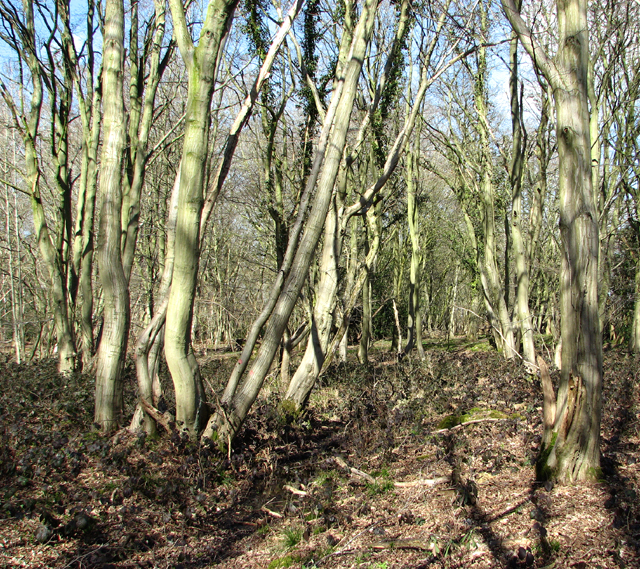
(573, 451)
(147, 352)
(229, 424)
(322, 320)
(115, 331)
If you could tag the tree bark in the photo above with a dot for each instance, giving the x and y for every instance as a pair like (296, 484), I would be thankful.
(243, 398)
(201, 62)
(115, 330)
(516, 176)
(574, 453)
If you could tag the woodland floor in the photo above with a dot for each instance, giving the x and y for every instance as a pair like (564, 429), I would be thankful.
(363, 479)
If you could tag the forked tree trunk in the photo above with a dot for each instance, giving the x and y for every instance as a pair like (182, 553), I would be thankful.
(89, 103)
(152, 338)
(573, 453)
(201, 62)
(115, 330)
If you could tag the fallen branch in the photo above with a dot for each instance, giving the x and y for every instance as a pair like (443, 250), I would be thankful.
(294, 490)
(158, 417)
(409, 543)
(342, 464)
(422, 482)
(271, 512)
(487, 420)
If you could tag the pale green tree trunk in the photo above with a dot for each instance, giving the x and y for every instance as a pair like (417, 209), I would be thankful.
(201, 62)
(152, 337)
(52, 244)
(89, 103)
(634, 339)
(574, 451)
(414, 322)
(142, 95)
(365, 325)
(115, 329)
(245, 395)
(322, 320)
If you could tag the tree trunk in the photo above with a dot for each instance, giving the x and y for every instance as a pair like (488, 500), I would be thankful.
(416, 254)
(365, 325)
(634, 340)
(519, 248)
(89, 103)
(245, 396)
(574, 451)
(201, 62)
(115, 331)
(152, 338)
(322, 320)
(493, 289)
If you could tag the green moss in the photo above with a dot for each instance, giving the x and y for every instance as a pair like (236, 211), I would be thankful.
(289, 412)
(498, 415)
(450, 421)
(379, 487)
(286, 561)
(474, 413)
(595, 474)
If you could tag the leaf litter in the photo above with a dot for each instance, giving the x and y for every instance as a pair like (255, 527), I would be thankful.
(416, 464)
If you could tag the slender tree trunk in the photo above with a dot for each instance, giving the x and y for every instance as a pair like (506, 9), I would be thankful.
(14, 297)
(152, 337)
(634, 340)
(416, 254)
(115, 331)
(201, 62)
(322, 320)
(245, 396)
(365, 325)
(494, 291)
(89, 103)
(351, 277)
(519, 247)
(452, 313)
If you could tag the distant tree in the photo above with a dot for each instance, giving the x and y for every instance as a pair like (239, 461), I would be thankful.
(45, 66)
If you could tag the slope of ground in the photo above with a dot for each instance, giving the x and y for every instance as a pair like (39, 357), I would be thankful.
(417, 464)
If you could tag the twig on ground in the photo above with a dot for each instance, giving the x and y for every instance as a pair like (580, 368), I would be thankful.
(294, 490)
(271, 512)
(422, 482)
